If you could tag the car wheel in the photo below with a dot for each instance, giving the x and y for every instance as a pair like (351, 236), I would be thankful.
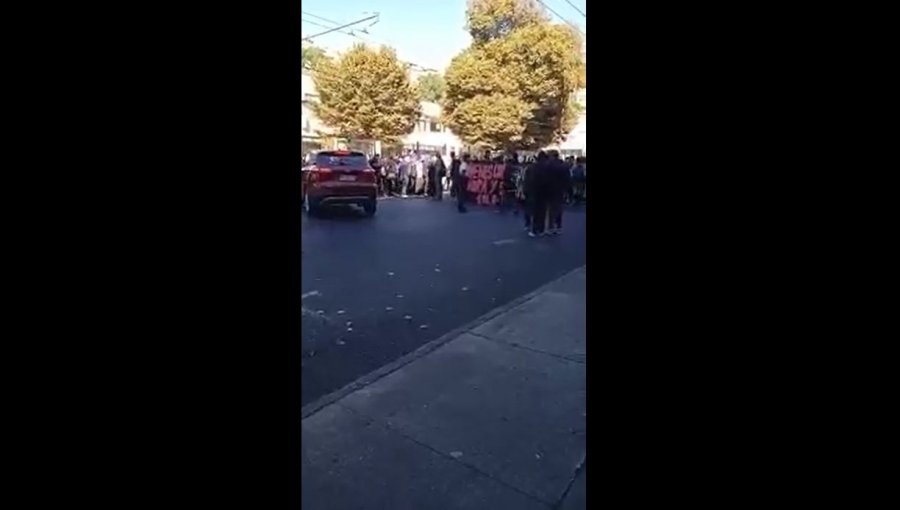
(369, 207)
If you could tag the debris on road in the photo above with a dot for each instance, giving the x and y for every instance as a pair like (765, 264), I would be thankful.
(340, 312)
(456, 455)
(423, 326)
(388, 308)
(408, 317)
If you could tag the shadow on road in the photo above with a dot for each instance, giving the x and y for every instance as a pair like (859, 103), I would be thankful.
(339, 213)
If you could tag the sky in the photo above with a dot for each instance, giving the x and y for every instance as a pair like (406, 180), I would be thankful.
(425, 33)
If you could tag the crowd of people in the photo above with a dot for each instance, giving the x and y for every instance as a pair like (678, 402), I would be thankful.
(411, 174)
(537, 185)
(545, 185)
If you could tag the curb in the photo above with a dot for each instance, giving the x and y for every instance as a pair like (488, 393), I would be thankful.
(326, 400)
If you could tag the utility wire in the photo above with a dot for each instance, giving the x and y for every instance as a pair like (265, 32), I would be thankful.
(576, 8)
(335, 29)
(351, 32)
(320, 18)
(560, 17)
(365, 39)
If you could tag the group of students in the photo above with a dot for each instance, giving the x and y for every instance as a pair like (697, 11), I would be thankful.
(542, 184)
(543, 188)
(410, 174)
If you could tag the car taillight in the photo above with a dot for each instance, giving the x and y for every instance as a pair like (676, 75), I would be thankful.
(319, 174)
(368, 175)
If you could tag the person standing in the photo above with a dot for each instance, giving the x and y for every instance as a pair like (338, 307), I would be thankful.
(461, 183)
(454, 174)
(511, 172)
(403, 175)
(376, 165)
(537, 188)
(440, 173)
(432, 176)
(420, 175)
(578, 181)
(522, 196)
(559, 180)
(391, 176)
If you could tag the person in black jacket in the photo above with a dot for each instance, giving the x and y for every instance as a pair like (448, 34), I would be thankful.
(377, 165)
(537, 182)
(440, 173)
(454, 173)
(559, 181)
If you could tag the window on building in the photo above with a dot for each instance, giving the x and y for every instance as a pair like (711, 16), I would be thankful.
(435, 127)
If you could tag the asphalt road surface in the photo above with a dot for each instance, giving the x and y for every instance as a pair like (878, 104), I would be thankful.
(377, 288)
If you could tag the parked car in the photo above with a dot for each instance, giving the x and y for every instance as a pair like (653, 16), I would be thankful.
(337, 178)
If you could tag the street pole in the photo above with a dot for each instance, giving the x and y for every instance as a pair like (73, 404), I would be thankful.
(375, 16)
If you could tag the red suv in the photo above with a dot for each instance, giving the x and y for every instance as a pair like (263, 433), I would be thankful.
(339, 178)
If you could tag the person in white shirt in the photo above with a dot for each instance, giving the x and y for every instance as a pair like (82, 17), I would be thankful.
(461, 183)
(420, 176)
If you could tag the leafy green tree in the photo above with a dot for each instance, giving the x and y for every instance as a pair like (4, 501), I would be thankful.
(366, 94)
(431, 87)
(487, 20)
(312, 56)
(514, 88)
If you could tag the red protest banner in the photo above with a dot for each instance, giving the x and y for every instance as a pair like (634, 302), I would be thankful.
(485, 182)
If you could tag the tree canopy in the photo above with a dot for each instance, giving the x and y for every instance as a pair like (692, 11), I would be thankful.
(431, 87)
(515, 87)
(312, 56)
(366, 94)
(487, 20)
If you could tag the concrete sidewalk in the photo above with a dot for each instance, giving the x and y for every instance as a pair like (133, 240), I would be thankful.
(492, 417)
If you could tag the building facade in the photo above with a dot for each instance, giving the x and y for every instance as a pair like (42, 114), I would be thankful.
(430, 135)
(313, 132)
(576, 141)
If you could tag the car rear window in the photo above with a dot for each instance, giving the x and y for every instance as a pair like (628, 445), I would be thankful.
(339, 158)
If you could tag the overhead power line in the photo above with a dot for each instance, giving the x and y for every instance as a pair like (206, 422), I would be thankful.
(336, 29)
(576, 8)
(321, 18)
(354, 33)
(348, 32)
(560, 17)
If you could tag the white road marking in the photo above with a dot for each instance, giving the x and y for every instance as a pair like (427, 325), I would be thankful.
(503, 241)
(310, 294)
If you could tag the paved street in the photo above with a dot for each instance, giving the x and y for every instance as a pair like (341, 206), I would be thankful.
(490, 417)
(376, 289)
